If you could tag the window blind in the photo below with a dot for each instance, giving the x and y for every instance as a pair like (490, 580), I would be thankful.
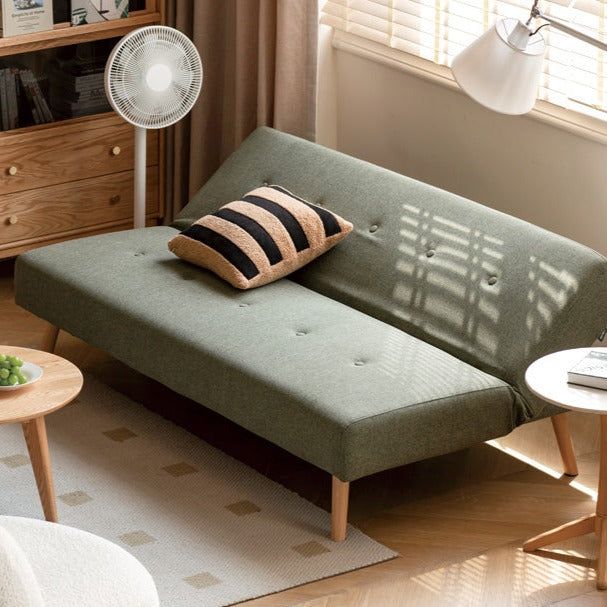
(574, 73)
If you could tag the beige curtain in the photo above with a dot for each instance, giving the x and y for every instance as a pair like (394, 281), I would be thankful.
(259, 59)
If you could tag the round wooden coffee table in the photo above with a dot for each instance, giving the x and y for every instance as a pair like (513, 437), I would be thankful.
(60, 384)
(547, 378)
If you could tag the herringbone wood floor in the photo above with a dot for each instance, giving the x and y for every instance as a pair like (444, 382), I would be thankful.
(457, 521)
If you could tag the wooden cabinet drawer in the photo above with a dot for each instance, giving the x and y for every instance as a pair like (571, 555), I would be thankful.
(60, 154)
(63, 209)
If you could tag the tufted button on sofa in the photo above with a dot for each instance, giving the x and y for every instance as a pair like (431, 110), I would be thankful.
(408, 340)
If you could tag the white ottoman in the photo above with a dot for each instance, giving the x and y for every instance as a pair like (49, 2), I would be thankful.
(49, 565)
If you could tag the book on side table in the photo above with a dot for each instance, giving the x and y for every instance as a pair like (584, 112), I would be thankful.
(591, 371)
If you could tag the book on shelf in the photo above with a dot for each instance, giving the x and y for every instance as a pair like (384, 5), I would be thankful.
(36, 98)
(21, 96)
(4, 100)
(12, 93)
(96, 11)
(34, 107)
(25, 16)
(591, 371)
(84, 95)
(78, 82)
(80, 108)
(61, 11)
(77, 86)
(9, 98)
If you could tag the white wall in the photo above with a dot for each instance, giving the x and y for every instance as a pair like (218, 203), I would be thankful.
(518, 165)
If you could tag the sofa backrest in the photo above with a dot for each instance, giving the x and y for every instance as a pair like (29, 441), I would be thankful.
(490, 289)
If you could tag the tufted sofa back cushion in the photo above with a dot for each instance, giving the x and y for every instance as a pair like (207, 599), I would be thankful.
(488, 288)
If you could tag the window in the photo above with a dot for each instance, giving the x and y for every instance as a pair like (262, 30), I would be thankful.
(574, 72)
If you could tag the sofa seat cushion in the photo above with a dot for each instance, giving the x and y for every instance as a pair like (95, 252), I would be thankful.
(342, 390)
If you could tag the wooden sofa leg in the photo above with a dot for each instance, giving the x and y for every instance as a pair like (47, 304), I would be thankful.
(49, 340)
(339, 509)
(560, 423)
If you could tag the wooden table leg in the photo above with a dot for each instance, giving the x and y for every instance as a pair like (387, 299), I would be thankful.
(560, 423)
(601, 511)
(34, 431)
(601, 566)
(581, 526)
(595, 522)
(601, 501)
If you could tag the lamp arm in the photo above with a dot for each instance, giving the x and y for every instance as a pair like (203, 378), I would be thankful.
(537, 14)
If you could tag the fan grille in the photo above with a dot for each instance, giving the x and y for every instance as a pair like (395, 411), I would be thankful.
(128, 66)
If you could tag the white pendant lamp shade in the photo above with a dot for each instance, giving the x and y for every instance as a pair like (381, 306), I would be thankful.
(501, 69)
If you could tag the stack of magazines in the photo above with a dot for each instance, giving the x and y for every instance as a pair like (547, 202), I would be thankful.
(21, 94)
(77, 87)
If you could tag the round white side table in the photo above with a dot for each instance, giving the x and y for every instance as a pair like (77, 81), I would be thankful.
(547, 378)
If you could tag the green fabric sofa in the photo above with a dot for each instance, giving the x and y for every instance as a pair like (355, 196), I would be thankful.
(408, 340)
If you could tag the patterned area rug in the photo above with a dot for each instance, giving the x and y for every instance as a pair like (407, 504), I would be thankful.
(210, 530)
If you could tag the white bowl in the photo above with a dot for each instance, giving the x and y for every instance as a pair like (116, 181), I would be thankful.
(31, 372)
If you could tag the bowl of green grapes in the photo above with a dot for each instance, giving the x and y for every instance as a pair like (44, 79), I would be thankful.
(16, 374)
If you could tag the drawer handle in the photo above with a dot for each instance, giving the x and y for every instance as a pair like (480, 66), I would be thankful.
(12, 170)
(115, 199)
(116, 150)
(13, 219)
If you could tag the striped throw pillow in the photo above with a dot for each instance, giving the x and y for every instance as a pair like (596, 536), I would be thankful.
(266, 235)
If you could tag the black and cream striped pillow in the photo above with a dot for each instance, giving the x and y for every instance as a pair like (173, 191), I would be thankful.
(266, 235)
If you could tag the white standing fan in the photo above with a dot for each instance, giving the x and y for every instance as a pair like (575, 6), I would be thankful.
(153, 77)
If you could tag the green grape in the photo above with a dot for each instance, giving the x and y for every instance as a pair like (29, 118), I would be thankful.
(10, 370)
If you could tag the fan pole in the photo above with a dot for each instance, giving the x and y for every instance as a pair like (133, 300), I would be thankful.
(140, 178)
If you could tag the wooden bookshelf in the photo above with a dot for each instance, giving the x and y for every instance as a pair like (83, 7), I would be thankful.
(73, 177)
(63, 34)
